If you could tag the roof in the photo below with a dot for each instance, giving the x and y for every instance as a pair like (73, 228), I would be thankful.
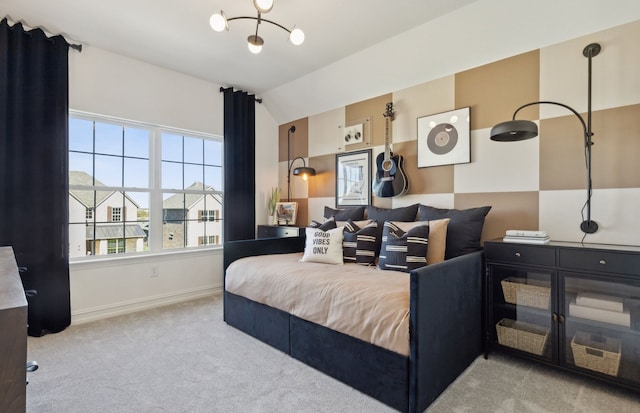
(112, 231)
(85, 197)
(186, 201)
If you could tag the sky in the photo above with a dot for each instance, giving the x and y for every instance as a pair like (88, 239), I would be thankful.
(122, 157)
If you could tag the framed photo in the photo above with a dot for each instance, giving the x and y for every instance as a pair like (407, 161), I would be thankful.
(353, 178)
(286, 213)
(443, 139)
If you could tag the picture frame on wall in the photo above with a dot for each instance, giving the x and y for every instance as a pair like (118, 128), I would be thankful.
(353, 178)
(444, 138)
(286, 213)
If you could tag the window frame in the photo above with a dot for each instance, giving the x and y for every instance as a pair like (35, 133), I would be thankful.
(155, 190)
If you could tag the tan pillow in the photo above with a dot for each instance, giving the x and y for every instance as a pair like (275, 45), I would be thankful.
(437, 240)
(437, 237)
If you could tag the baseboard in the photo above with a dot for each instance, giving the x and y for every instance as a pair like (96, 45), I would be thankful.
(145, 303)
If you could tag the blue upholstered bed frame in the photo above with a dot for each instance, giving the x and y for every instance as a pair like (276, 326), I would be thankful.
(445, 331)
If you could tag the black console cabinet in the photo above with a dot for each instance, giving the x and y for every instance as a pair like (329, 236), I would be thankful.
(571, 305)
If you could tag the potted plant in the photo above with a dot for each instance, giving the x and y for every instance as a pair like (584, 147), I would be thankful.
(273, 201)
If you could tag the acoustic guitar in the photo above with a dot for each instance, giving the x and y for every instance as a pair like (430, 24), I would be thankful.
(390, 179)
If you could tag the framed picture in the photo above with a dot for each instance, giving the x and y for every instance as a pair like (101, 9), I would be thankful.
(353, 178)
(443, 139)
(286, 213)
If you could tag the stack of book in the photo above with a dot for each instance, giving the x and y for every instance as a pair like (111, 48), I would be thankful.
(526, 237)
(600, 307)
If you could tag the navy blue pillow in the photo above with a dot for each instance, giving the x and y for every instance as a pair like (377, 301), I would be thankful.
(324, 226)
(355, 213)
(464, 230)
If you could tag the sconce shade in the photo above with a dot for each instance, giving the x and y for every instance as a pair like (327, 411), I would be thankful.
(305, 171)
(514, 130)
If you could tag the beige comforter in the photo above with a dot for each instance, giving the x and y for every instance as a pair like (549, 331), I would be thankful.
(362, 302)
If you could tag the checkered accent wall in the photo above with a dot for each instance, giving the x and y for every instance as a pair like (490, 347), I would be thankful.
(535, 184)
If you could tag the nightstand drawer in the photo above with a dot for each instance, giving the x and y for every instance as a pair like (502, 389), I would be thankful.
(520, 254)
(600, 261)
(276, 231)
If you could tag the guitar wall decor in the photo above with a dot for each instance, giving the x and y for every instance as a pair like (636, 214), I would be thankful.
(390, 179)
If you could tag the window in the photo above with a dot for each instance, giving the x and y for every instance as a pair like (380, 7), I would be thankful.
(120, 172)
(116, 214)
(115, 246)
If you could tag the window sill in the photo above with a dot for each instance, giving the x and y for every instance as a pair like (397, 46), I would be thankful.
(138, 258)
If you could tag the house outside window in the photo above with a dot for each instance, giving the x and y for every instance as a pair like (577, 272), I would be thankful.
(120, 172)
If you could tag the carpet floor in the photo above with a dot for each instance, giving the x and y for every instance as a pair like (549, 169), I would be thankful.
(184, 358)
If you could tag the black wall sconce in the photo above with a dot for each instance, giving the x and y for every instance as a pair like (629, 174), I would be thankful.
(517, 130)
(303, 170)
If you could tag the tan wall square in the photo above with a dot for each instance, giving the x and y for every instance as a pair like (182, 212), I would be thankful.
(509, 210)
(373, 109)
(299, 139)
(324, 183)
(615, 152)
(495, 91)
(434, 180)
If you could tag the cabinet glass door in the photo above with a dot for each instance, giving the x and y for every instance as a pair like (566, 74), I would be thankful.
(521, 313)
(602, 326)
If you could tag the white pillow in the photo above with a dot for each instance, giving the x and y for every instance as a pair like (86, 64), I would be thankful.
(323, 246)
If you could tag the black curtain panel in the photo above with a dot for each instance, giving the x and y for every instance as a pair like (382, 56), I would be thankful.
(239, 165)
(34, 109)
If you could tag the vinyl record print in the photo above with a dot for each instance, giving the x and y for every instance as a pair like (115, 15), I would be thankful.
(443, 139)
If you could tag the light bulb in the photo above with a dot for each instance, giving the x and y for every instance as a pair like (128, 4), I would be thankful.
(296, 36)
(305, 177)
(255, 44)
(218, 22)
(263, 6)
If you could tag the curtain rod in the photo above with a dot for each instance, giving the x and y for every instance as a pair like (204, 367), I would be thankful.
(222, 89)
(27, 29)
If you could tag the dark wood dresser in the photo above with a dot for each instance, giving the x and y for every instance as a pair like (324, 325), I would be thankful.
(13, 335)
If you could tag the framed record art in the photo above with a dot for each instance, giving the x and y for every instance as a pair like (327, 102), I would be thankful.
(443, 138)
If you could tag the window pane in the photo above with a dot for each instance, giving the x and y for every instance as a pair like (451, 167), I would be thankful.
(108, 170)
(212, 152)
(79, 203)
(136, 142)
(80, 169)
(80, 135)
(193, 150)
(171, 175)
(108, 139)
(136, 173)
(213, 177)
(78, 240)
(193, 176)
(141, 199)
(171, 147)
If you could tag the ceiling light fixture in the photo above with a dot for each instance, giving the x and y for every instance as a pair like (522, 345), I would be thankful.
(517, 130)
(219, 22)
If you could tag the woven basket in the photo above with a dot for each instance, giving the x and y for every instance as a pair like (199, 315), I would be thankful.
(596, 352)
(523, 336)
(527, 292)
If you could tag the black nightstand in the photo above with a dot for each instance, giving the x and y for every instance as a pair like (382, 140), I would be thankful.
(280, 231)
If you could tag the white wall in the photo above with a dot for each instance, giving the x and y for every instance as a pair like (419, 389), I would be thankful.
(483, 32)
(104, 83)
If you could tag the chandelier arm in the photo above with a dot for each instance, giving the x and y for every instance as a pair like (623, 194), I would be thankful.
(260, 19)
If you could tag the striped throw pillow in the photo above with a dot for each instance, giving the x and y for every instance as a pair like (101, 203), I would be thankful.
(404, 250)
(359, 244)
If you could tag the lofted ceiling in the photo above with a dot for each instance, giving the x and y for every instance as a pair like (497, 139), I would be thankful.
(176, 34)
